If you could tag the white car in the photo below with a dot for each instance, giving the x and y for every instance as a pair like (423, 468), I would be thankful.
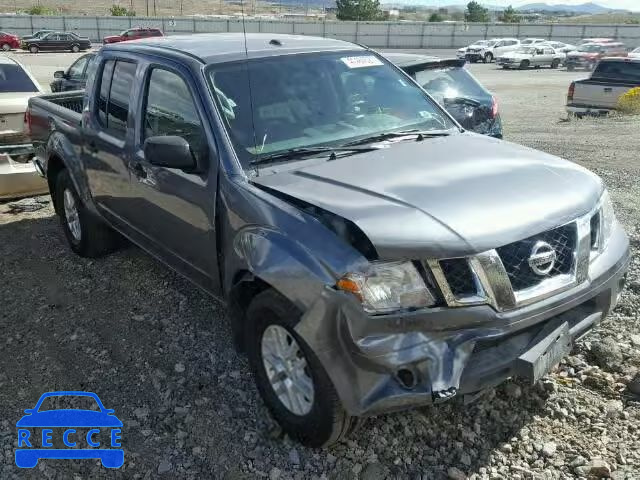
(561, 47)
(535, 56)
(635, 53)
(528, 42)
(489, 50)
(18, 176)
(462, 52)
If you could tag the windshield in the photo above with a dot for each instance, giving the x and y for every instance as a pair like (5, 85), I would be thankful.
(316, 99)
(590, 48)
(14, 79)
(480, 43)
(450, 82)
(69, 402)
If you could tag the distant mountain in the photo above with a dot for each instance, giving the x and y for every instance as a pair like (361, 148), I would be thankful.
(585, 8)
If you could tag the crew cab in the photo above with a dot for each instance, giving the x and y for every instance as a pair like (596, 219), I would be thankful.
(373, 254)
(133, 34)
(599, 93)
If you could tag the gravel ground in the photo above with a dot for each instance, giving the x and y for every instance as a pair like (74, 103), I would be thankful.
(160, 353)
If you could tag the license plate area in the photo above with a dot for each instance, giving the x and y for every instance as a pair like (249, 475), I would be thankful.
(549, 348)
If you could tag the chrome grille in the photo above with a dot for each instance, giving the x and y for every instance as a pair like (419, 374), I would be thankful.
(515, 256)
(459, 276)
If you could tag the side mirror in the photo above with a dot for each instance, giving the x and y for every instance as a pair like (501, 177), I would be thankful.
(59, 74)
(169, 151)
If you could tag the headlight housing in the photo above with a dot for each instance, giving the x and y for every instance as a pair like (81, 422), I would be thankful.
(387, 287)
(607, 220)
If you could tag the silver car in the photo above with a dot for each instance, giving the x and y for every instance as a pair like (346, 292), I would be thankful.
(526, 57)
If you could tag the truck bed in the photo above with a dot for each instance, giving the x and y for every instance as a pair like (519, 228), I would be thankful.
(600, 93)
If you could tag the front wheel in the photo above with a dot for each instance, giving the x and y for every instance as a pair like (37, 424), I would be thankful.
(488, 57)
(555, 63)
(293, 384)
(34, 49)
(75, 48)
(524, 64)
(6, 47)
(86, 234)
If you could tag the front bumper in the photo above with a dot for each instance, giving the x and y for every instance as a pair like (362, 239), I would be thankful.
(394, 362)
(19, 178)
(474, 57)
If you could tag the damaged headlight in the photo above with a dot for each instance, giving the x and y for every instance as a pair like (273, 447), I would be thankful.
(607, 220)
(387, 287)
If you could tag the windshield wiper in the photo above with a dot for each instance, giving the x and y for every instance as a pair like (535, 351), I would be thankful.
(304, 151)
(420, 134)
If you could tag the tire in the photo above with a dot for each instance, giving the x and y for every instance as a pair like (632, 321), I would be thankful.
(524, 64)
(6, 47)
(75, 48)
(488, 57)
(34, 49)
(325, 421)
(570, 68)
(91, 238)
(555, 63)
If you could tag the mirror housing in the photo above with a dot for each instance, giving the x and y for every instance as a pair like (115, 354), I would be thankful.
(59, 74)
(169, 151)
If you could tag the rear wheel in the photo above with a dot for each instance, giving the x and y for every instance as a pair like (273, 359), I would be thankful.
(34, 49)
(86, 234)
(75, 48)
(488, 57)
(555, 63)
(6, 47)
(292, 382)
(570, 68)
(524, 64)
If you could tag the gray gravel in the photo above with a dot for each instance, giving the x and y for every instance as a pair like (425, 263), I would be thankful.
(160, 353)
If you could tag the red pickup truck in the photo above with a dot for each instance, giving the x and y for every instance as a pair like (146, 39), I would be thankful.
(133, 34)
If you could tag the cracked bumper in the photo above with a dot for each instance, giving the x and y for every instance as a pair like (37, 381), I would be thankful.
(450, 350)
(19, 178)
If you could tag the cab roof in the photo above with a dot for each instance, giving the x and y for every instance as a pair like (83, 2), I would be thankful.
(226, 47)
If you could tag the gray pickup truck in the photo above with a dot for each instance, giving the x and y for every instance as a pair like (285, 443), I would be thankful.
(600, 93)
(374, 256)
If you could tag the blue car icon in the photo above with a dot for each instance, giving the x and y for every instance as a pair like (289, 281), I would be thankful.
(97, 420)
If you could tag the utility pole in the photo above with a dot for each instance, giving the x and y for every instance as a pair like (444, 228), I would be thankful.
(147, 8)
(155, 13)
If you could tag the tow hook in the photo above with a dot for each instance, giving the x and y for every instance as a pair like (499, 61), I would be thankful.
(444, 395)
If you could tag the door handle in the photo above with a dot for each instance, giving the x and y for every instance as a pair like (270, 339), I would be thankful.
(139, 171)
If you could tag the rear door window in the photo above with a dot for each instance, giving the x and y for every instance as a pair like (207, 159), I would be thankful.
(113, 102)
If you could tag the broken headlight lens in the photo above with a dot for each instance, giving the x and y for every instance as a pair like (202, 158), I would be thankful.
(607, 219)
(388, 287)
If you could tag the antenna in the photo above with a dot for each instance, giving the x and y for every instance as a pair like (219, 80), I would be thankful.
(246, 54)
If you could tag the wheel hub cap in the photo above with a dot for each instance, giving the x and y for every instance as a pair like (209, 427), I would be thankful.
(287, 370)
(71, 215)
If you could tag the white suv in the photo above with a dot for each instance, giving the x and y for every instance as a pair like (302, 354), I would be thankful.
(489, 50)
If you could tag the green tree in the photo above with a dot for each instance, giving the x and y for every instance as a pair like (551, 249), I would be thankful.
(358, 10)
(436, 17)
(39, 10)
(476, 13)
(509, 15)
(120, 11)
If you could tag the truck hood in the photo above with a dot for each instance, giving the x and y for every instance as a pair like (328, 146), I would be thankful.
(443, 197)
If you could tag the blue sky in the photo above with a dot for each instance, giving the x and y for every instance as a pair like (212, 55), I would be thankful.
(627, 4)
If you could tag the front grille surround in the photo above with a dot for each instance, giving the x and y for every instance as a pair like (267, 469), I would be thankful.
(503, 278)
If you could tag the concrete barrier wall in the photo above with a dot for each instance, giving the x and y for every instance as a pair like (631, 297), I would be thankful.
(374, 34)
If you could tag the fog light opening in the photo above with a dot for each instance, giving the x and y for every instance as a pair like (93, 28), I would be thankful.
(407, 378)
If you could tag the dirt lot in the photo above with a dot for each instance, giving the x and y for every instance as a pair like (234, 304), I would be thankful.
(159, 352)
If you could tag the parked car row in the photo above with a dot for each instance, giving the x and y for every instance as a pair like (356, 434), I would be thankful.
(51, 40)
(374, 255)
